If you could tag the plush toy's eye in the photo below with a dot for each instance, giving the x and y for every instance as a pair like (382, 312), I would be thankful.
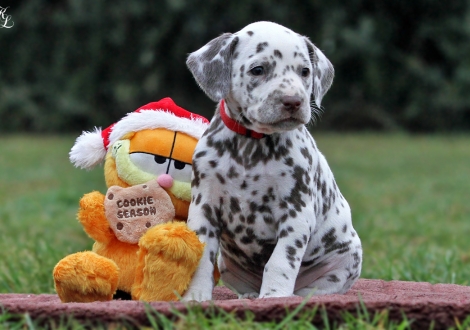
(180, 171)
(179, 165)
(158, 165)
(153, 164)
(160, 159)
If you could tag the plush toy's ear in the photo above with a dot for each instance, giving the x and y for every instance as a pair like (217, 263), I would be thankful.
(88, 150)
(211, 66)
(323, 72)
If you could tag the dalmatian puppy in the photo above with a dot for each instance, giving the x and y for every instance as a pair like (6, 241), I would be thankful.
(263, 197)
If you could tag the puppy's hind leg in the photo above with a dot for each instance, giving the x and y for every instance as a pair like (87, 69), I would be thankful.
(335, 281)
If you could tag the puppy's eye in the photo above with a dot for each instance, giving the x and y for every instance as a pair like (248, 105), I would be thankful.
(257, 71)
(305, 72)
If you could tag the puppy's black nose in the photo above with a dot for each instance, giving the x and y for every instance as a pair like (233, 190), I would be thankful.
(291, 103)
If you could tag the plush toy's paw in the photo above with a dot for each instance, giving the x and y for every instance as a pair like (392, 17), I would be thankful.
(92, 202)
(85, 277)
(92, 217)
(168, 257)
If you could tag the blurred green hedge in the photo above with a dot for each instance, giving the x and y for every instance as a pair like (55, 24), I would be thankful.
(70, 65)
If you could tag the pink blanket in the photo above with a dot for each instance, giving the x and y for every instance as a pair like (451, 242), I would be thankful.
(422, 303)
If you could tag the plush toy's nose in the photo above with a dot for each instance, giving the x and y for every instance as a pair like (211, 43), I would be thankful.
(165, 180)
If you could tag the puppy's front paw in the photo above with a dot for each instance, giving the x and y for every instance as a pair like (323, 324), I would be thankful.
(249, 295)
(273, 293)
(197, 295)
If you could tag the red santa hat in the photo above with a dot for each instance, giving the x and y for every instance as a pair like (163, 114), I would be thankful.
(90, 148)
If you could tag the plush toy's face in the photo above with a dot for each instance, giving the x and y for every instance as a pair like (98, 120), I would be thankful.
(158, 154)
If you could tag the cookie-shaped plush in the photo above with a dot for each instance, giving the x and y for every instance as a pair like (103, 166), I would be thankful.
(132, 211)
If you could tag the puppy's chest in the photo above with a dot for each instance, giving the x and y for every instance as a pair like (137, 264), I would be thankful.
(253, 199)
(252, 207)
(256, 186)
(262, 174)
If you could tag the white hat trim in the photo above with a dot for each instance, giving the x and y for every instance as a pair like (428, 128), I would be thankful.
(150, 119)
(89, 151)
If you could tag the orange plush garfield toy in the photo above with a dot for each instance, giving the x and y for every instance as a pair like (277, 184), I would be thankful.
(143, 249)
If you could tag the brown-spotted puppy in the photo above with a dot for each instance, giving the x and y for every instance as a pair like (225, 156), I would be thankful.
(263, 195)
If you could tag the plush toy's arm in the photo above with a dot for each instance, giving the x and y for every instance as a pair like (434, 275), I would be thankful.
(92, 217)
(167, 259)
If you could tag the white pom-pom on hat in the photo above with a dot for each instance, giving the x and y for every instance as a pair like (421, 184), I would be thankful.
(90, 148)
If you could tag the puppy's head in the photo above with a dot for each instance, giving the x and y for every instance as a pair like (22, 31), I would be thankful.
(266, 73)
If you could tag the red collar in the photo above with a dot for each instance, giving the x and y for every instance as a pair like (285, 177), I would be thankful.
(237, 127)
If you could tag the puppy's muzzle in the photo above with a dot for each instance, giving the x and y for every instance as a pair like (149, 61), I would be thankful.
(291, 104)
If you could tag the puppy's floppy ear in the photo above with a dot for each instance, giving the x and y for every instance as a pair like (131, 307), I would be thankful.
(323, 72)
(211, 65)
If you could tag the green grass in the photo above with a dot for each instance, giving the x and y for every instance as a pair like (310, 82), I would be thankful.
(409, 197)
(410, 203)
(39, 192)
